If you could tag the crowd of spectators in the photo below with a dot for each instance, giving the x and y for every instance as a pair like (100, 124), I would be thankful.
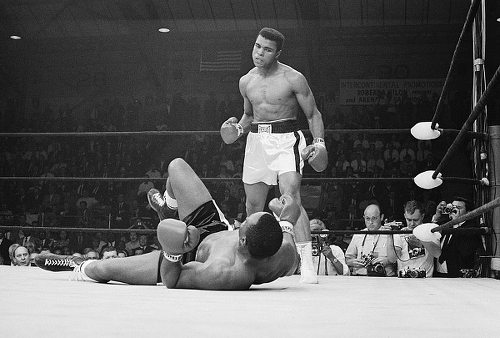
(22, 246)
(123, 204)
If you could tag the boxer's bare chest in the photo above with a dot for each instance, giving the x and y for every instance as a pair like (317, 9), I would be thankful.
(221, 244)
(271, 97)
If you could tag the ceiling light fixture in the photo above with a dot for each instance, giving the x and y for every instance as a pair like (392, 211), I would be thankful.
(15, 37)
(163, 30)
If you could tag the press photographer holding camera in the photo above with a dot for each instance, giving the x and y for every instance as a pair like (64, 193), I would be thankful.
(458, 250)
(414, 258)
(367, 254)
(328, 258)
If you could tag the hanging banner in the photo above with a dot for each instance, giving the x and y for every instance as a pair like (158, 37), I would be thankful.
(374, 91)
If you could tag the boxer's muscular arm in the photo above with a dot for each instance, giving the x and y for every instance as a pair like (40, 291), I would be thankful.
(306, 100)
(218, 274)
(288, 254)
(247, 117)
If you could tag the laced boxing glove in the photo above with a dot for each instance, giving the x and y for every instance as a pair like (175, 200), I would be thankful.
(316, 155)
(231, 130)
(286, 210)
(176, 238)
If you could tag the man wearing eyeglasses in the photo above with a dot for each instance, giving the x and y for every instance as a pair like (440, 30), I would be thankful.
(458, 250)
(367, 252)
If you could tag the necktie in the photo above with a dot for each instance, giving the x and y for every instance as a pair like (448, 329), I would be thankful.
(444, 248)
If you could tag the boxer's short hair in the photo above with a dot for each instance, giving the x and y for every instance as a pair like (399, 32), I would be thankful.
(264, 238)
(273, 35)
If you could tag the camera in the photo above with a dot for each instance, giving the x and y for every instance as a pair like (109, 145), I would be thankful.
(395, 225)
(469, 273)
(367, 259)
(376, 270)
(449, 209)
(416, 252)
(412, 273)
(318, 242)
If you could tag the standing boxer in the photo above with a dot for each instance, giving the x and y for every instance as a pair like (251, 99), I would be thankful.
(273, 94)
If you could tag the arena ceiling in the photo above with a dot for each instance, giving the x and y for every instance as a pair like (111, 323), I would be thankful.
(51, 19)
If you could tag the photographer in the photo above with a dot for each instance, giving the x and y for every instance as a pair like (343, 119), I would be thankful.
(458, 251)
(329, 259)
(415, 259)
(368, 254)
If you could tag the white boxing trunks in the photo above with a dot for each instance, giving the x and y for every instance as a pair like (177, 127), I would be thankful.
(272, 149)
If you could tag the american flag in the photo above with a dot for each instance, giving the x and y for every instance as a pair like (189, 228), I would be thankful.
(220, 61)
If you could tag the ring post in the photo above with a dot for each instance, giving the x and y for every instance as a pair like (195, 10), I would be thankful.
(494, 132)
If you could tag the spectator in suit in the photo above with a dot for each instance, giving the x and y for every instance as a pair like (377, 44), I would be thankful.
(109, 252)
(5, 243)
(79, 241)
(143, 244)
(120, 211)
(45, 240)
(83, 215)
(27, 238)
(90, 253)
(19, 255)
(132, 244)
(62, 241)
(458, 251)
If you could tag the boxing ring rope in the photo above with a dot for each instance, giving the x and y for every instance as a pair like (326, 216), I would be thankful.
(470, 17)
(479, 230)
(218, 179)
(472, 214)
(479, 135)
(426, 180)
(153, 231)
(473, 115)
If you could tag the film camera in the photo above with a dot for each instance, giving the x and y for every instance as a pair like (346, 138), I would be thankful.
(469, 273)
(376, 269)
(318, 242)
(416, 252)
(394, 225)
(412, 273)
(449, 209)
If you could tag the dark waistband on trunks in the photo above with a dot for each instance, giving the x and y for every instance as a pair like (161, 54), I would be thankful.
(287, 126)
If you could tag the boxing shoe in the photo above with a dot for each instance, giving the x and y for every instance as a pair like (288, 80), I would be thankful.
(308, 277)
(307, 273)
(158, 204)
(58, 263)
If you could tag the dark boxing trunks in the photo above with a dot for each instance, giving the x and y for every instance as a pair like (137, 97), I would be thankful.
(205, 218)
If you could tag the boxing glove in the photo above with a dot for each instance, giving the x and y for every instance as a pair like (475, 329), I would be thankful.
(176, 238)
(316, 155)
(231, 130)
(286, 209)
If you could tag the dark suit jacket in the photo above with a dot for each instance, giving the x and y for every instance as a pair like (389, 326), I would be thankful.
(4, 250)
(460, 251)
